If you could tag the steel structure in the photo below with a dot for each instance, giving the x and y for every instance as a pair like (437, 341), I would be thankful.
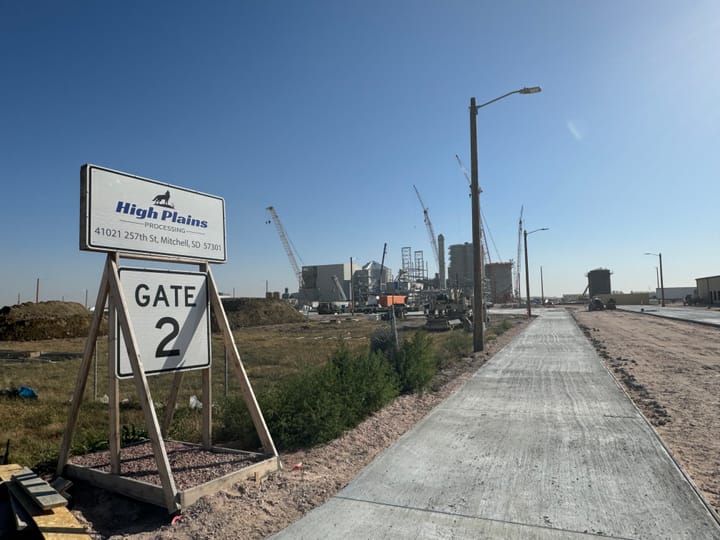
(286, 244)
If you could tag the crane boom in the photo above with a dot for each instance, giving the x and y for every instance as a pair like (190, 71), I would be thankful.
(286, 244)
(428, 224)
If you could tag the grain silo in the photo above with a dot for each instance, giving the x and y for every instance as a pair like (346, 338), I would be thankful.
(599, 282)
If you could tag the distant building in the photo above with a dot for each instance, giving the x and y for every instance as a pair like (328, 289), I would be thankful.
(369, 279)
(675, 294)
(319, 286)
(460, 269)
(499, 277)
(708, 289)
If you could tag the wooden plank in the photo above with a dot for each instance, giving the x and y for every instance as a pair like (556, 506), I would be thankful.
(84, 370)
(44, 495)
(206, 389)
(245, 388)
(256, 470)
(135, 489)
(143, 390)
(7, 471)
(113, 386)
(54, 524)
(207, 409)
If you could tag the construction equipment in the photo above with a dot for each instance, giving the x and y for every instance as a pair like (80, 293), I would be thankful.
(517, 262)
(382, 269)
(428, 224)
(286, 244)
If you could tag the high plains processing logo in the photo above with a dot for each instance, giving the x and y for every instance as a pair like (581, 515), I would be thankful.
(167, 214)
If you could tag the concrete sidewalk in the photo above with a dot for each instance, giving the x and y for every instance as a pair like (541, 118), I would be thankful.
(540, 443)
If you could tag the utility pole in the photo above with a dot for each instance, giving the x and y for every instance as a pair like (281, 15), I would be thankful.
(542, 289)
(478, 314)
(662, 285)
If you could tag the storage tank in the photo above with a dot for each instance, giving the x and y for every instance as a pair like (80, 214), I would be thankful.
(599, 282)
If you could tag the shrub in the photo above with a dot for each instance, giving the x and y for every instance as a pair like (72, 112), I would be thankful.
(383, 340)
(318, 403)
(415, 363)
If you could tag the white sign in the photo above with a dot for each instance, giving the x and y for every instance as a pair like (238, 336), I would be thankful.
(121, 212)
(169, 313)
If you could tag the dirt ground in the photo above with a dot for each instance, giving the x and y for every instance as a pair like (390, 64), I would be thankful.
(256, 510)
(671, 370)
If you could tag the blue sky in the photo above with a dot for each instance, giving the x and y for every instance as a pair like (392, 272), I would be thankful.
(331, 111)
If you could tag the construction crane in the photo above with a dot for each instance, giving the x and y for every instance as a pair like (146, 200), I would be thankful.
(382, 269)
(483, 222)
(286, 244)
(428, 224)
(519, 253)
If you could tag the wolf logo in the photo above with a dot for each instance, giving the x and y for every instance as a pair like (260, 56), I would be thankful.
(163, 199)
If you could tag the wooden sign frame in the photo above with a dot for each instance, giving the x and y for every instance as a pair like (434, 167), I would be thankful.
(111, 293)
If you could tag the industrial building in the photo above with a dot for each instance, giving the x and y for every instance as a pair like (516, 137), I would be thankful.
(708, 289)
(460, 269)
(497, 279)
(370, 278)
(332, 282)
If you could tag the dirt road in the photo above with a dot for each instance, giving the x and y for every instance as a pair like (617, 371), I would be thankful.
(671, 370)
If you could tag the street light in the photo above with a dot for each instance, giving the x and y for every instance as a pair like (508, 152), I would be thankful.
(478, 303)
(662, 285)
(527, 268)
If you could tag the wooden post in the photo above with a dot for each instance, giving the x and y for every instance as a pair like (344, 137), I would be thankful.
(245, 388)
(84, 369)
(143, 391)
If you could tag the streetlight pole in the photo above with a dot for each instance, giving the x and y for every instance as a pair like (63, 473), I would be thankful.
(527, 268)
(662, 284)
(478, 303)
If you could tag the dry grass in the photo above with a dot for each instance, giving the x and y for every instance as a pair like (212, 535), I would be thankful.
(35, 426)
(269, 354)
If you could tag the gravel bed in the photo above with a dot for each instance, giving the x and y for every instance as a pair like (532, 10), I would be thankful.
(191, 465)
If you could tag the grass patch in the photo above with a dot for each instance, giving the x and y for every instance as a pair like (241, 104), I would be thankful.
(313, 382)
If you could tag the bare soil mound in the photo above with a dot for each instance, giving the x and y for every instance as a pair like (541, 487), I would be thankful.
(244, 312)
(43, 320)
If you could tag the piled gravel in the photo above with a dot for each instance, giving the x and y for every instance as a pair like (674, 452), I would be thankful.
(191, 465)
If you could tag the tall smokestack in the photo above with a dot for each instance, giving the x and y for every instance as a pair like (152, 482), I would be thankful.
(441, 261)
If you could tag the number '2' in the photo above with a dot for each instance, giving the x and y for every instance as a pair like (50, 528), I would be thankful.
(161, 351)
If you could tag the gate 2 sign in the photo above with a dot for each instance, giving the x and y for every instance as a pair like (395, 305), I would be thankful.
(169, 313)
